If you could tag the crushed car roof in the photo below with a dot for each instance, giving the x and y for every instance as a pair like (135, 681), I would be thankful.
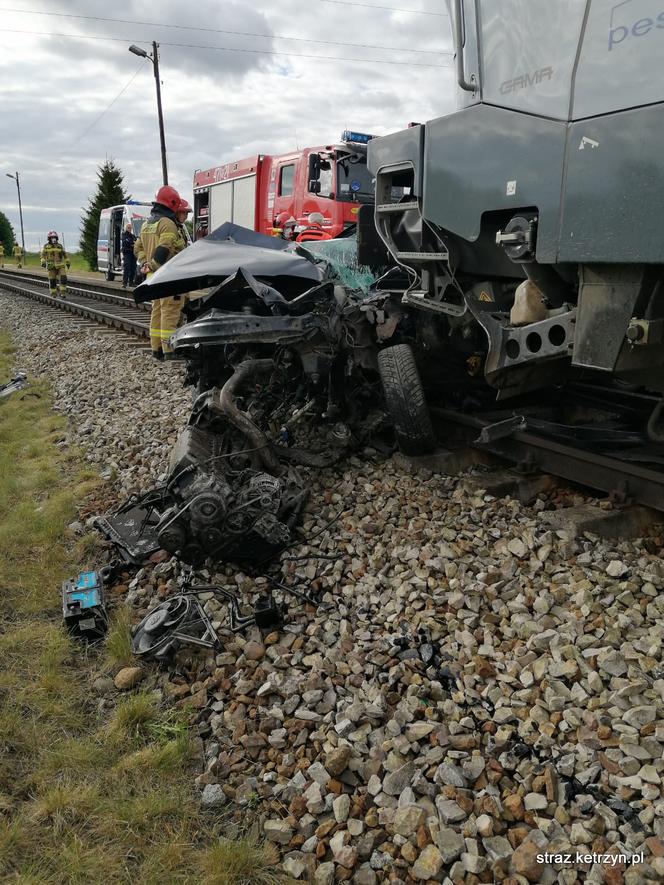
(226, 250)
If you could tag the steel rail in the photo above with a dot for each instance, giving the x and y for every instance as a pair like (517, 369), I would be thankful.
(101, 293)
(624, 480)
(42, 274)
(130, 319)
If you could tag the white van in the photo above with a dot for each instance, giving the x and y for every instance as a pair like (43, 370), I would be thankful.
(112, 222)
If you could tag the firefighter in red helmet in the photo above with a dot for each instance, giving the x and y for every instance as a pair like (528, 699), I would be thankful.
(159, 240)
(54, 259)
(284, 226)
(314, 229)
(183, 210)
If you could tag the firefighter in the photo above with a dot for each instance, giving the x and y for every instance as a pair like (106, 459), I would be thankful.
(2, 255)
(284, 226)
(17, 252)
(314, 229)
(54, 259)
(159, 240)
(183, 210)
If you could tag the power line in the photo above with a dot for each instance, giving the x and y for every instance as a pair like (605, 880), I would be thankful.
(106, 109)
(390, 8)
(375, 61)
(97, 18)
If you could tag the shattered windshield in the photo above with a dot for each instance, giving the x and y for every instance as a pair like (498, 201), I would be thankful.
(341, 255)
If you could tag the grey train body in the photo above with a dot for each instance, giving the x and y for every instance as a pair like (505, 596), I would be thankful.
(551, 169)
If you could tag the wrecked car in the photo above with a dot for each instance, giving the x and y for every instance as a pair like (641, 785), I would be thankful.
(283, 351)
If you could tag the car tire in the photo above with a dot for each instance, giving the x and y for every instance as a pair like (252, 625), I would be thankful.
(405, 399)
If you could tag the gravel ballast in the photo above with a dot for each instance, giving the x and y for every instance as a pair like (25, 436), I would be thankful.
(476, 689)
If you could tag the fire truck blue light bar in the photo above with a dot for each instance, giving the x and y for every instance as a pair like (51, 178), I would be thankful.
(355, 137)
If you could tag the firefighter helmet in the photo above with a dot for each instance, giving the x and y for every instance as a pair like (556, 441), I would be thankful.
(285, 222)
(184, 206)
(315, 218)
(169, 197)
(52, 235)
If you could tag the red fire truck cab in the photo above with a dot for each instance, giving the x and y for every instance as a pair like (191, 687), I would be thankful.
(332, 179)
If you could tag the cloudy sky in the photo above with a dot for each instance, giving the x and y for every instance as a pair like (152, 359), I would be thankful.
(293, 73)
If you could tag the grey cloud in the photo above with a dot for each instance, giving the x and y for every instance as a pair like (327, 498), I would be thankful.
(183, 58)
(218, 106)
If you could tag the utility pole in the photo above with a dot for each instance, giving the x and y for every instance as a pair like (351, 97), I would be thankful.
(154, 58)
(20, 208)
(162, 137)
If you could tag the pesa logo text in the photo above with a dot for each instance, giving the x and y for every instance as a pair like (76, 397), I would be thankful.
(640, 28)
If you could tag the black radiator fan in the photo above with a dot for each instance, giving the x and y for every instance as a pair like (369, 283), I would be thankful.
(159, 633)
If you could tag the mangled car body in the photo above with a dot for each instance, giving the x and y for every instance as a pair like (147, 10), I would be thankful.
(271, 299)
(276, 348)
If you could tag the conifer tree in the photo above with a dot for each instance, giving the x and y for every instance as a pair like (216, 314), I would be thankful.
(7, 236)
(110, 192)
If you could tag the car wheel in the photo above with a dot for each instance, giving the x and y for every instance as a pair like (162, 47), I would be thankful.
(405, 399)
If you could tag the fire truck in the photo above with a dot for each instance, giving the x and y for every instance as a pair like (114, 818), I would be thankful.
(332, 179)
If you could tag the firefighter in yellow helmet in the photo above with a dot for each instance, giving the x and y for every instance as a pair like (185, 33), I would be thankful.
(54, 259)
(17, 252)
(2, 255)
(160, 239)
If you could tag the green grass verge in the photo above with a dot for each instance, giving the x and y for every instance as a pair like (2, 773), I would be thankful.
(32, 259)
(87, 794)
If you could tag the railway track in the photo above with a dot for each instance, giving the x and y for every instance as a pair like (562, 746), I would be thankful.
(103, 304)
(84, 283)
(631, 475)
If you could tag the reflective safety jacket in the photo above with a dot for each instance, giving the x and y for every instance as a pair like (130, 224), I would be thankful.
(314, 232)
(54, 255)
(159, 240)
(2, 250)
(17, 251)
